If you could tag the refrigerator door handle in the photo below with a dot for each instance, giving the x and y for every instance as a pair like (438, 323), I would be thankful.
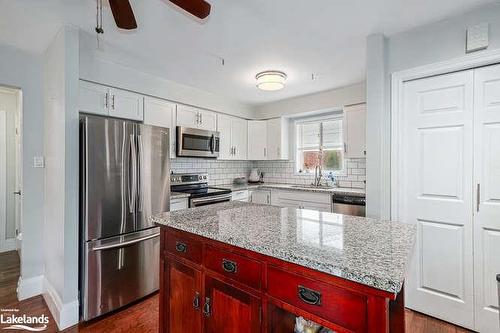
(132, 187)
(123, 244)
(139, 171)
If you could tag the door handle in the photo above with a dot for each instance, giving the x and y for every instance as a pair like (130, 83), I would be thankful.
(139, 171)
(206, 307)
(17, 192)
(196, 301)
(478, 197)
(120, 245)
(132, 187)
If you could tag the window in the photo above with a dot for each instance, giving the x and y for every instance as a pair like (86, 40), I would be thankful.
(320, 142)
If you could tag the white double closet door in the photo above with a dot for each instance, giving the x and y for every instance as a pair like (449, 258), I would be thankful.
(450, 170)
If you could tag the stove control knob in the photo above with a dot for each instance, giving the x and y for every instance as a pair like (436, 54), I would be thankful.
(200, 177)
(204, 177)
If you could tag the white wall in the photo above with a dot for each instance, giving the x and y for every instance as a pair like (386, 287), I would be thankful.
(428, 44)
(108, 66)
(326, 100)
(61, 177)
(25, 71)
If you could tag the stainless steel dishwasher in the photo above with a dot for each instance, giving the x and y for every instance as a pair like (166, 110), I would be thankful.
(349, 204)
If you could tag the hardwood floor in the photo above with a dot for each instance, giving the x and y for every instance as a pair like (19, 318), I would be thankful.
(142, 317)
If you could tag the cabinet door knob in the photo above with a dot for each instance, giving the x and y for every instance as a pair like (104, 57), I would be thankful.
(196, 301)
(180, 247)
(206, 307)
(229, 266)
(309, 296)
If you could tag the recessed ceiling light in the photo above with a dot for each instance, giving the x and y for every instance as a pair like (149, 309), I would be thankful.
(270, 80)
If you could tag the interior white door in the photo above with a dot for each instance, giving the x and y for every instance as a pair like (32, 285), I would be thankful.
(19, 176)
(487, 205)
(239, 138)
(3, 178)
(158, 112)
(257, 140)
(437, 170)
(224, 128)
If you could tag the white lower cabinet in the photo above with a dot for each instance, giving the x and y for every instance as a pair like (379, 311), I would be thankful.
(242, 195)
(449, 186)
(178, 204)
(303, 200)
(260, 197)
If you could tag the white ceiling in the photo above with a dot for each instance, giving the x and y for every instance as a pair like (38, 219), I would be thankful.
(300, 37)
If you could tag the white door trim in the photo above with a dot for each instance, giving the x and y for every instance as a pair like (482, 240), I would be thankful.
(3, 179)
(468, 61)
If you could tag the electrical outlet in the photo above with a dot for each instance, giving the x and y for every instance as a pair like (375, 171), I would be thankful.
(477, 37)
(38, 162)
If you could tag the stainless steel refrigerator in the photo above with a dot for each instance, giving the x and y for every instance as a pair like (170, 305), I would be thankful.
(124, 179)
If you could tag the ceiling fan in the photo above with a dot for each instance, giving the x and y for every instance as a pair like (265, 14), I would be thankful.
(125, 19)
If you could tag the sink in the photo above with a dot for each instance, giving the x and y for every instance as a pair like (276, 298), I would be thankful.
(321, 187)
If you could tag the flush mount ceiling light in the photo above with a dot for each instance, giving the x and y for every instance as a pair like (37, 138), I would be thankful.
(270, 80)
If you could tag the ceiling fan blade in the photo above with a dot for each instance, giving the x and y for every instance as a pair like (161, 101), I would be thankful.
(198, 8)
(123, 14)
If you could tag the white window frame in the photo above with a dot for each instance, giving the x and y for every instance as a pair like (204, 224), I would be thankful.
(314, 119)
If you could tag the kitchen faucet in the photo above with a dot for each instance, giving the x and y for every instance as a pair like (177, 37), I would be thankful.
(318, 174)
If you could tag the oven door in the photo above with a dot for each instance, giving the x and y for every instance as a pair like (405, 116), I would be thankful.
(209, 200)
(193, 142)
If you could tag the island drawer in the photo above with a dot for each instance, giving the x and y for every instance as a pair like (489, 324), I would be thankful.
(234, 266)
(334, 304)
(182, 245)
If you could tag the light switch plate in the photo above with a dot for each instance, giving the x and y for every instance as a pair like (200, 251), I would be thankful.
(477, 37)
(38, 162)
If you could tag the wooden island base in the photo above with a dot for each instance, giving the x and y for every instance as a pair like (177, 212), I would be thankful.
(209, 286)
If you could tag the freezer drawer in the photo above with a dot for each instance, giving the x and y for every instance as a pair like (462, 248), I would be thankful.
(119, 270)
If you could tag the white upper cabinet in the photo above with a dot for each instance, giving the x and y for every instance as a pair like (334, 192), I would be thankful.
(102, 100)
(125, 104)
(355, 130)
(225, 145)
(257, 140)
(208, 120)
(161, 113)
(189, 116)
(233, 137)
(277, 139)
(93, 98)
(239, 138)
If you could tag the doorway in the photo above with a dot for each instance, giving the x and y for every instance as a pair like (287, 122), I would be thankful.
(10, 176)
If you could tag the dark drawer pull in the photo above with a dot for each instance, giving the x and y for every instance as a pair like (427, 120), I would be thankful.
(180, 247)
(309, 296)
(229, 266)
(196, 301)
(206, 307)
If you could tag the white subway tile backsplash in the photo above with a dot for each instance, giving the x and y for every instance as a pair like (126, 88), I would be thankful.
(223, 172)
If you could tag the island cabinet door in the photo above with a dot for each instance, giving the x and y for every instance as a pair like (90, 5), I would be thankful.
(183, 298)
(227, 309)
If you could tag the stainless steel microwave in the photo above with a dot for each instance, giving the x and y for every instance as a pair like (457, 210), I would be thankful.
(194, 142)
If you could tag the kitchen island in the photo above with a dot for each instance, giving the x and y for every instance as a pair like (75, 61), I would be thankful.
(241, 267)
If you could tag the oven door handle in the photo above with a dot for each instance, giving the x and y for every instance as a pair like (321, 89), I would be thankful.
(212, 198)
(212, 143)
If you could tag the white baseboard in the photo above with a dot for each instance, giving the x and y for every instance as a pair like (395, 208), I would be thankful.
(27, 288)
(8, 245)
(65, 315)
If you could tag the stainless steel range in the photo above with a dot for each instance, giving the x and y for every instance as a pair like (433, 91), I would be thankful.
(197, 186)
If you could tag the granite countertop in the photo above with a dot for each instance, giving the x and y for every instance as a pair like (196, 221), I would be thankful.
(293, 187)
(369, 251)
(176, 195)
